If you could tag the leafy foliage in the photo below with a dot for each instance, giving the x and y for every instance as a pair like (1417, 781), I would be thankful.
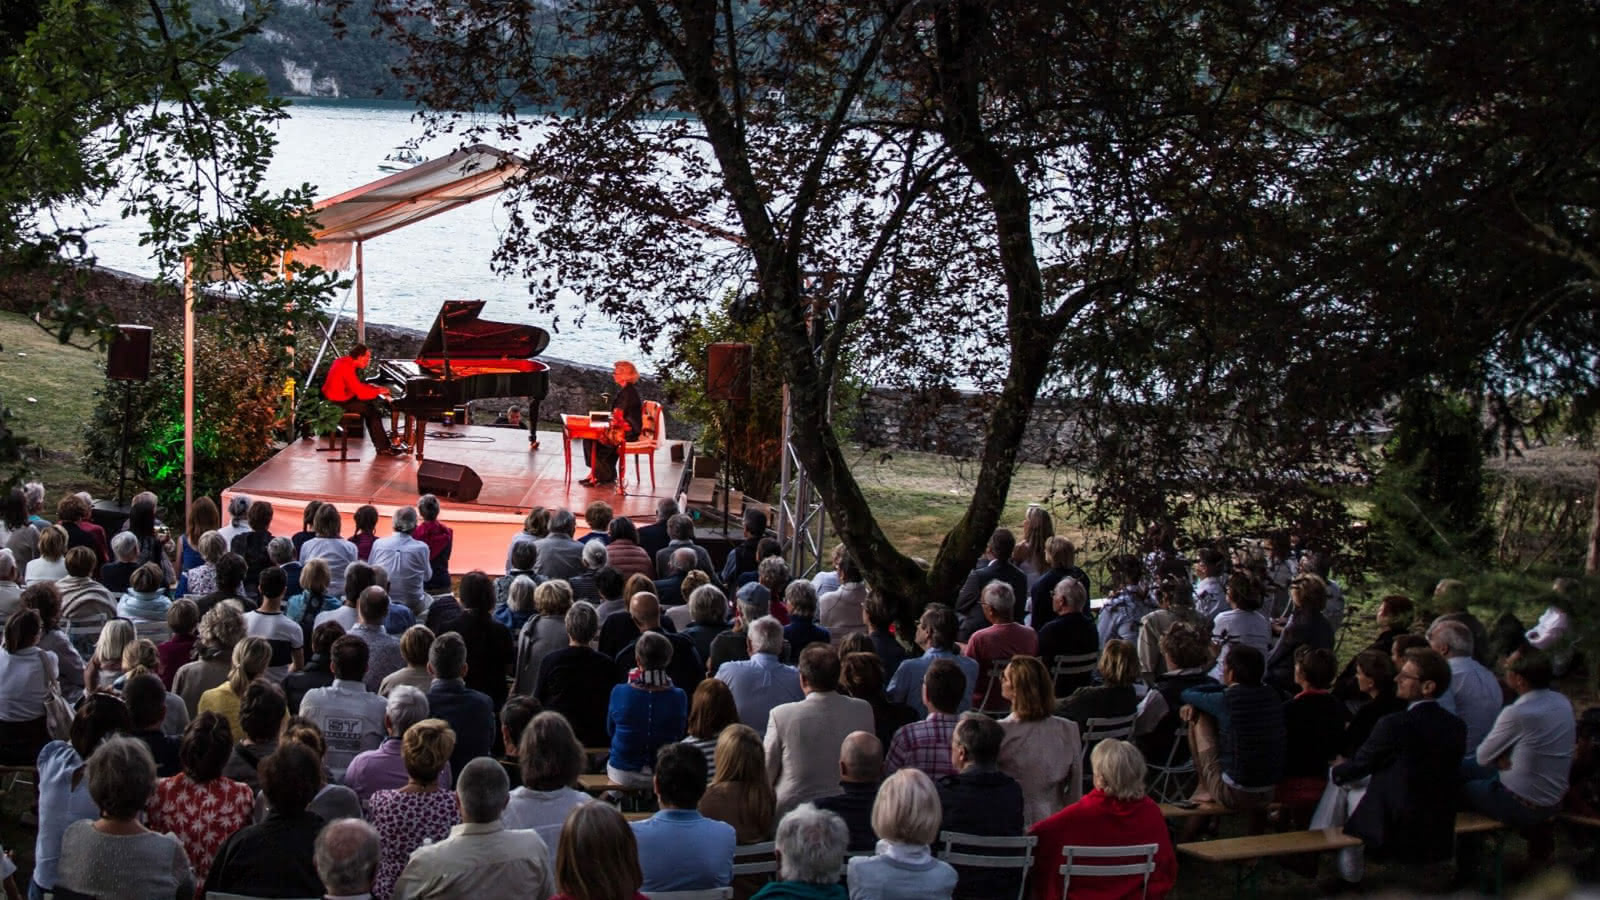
(1429, 503)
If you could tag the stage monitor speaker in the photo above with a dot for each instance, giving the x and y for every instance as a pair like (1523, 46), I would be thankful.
(444, 479)
(128, 358)
(728, 372)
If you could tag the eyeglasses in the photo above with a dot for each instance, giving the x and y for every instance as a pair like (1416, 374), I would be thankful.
(1407, 676)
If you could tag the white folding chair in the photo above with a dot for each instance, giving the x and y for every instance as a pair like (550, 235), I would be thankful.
(1072, 867)
(1016, 853)
(1074, 664)
(992, 690)
(766, 862)
(1167, 780)
(155, 631)
(1096, 730)
(722, 893)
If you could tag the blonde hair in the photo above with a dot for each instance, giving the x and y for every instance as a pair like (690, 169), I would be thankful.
(1119, 663)
(315, 576)
(53, 543)
(415, 644)
(139, 657)
(741, 761)
(251, 657)
(907, 810)
(426, 749)
(694, 578)
(552, 598)
(1033, 692)
(626, 372)
(1118, 769)
(114, 638)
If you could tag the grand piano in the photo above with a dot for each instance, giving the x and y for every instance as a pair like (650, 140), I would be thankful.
(464, 358)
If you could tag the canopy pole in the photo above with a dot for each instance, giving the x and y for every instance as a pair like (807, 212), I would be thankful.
(361, 298)
(188, 384)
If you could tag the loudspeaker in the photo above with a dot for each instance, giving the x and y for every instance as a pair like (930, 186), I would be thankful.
(728, 372)
(128, 358)
(443, 479)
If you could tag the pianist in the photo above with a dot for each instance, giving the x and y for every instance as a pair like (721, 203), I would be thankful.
(344, 387)
(627, 410)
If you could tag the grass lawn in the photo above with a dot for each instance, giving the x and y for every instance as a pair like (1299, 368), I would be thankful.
(50, 390)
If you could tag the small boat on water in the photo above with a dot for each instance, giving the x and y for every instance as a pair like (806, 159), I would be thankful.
(400, 159)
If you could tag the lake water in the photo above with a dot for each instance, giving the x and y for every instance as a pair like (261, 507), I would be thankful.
(337, 146)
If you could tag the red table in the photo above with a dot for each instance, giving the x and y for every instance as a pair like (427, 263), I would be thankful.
(578, 428)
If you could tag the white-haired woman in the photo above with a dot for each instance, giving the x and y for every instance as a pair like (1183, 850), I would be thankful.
(906, 817)
(810, 845)
(627, 420)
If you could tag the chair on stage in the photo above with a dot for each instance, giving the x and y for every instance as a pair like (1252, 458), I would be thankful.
(652, 430)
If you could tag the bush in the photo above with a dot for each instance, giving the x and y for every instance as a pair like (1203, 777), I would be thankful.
(1429, 500)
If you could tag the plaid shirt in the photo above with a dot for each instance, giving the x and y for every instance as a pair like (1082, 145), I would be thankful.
(923, 745)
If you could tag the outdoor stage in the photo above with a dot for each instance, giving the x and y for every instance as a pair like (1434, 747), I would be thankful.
(514, 481)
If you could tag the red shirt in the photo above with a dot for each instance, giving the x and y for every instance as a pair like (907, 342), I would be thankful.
(1101, 821)
(343, 384)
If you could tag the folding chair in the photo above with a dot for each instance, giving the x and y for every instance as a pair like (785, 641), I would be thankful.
(722, 893)
(1020, 858)
(1167, 781)
(1106, 870)
(992, 689)
(1096, 730)
(1075, 664)
(765, 864)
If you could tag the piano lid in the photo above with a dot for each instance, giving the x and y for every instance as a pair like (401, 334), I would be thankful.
(470, 337)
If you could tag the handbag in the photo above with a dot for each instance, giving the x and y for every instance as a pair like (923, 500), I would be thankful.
(57, 711)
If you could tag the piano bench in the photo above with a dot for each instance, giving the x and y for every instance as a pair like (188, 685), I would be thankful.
(339, 439)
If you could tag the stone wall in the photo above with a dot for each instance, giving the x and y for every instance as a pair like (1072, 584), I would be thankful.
(949, 422)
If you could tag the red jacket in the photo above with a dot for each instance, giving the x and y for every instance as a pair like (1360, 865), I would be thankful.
(1101, 821)
(343, 384)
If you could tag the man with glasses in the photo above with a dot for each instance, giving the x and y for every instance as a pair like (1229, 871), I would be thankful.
(936, 634)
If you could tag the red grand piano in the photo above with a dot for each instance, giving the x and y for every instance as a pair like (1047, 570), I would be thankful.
(464, 358)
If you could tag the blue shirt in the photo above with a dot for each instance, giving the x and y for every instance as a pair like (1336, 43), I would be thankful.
(640, 721)
(681, 850)
(803, 631)
(906, 685)
(758, 684)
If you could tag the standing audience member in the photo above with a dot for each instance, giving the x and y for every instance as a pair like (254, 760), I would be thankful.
(841, 611)
(350, 716)
(925, 744)
(220, 633)
(982, 800)
(318, 672)
(1474, 693)
(762, 682)
(576, 681)
(802, 737)
(1116, 695)
(1041, 751)
(415, 644)
(1175, 605)
(550, 759)
(1523, 764)
(679, 849)
(1236, 735)
(1115, 814)
(481, 858)
(936, 634)
(999, 568)
(327, 546)
(115, 855)
(645, 713)
(598, 857)
(995, 645)
(1061, 556)
(422, 810)
(860, 772)
(469, 713)
(405, 558)
(383, 650)
(261, 718)
(346, 857)
(907, 818)
(809, 844)
(711, 711)
(63, 791)
(276, 856)
(199, 805)
(384, 768)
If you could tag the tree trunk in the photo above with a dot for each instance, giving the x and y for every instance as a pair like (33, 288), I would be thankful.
(1592, 564)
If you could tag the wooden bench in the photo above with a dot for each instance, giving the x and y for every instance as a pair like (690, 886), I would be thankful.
(1212, 808)
(1241, 851)
(600, 783)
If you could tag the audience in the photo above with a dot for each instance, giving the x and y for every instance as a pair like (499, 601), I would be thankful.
(26, 676)
(1210, 585)
(147, 709)
(64, 796)
(1116, 695)
(801, 737)
(114, 575)
(995, 645)
(1306, 627)
(250, 658)
(1242, 624)
(284, 635)
(384, 768)
(333, 801)
(1375, 685)
(45, 600)
(1002, 545)
(623, 552)
(1474, 693)
(440, 539)
(420, 811)
(145, 597)
(346, 856)
(841, 611)
(752, 603)
(925, 744)
(261, 718)
(559, 556)
(1236, 735)
(1175, 606)
(550, 759)
(469, 713)
(741, 795)
(405, 558)
(576, 681)
(598, 857)
(535, 527)
(313, 605)
(481, 858)
(762, 682)
(861, 677)
(251, 544)
(685, 667)
(115, 855)
(860, 772)
(907, 817)
(1061, 556)
(200, 805)
(105, 663)
(679, 849)
(489, 644)
(383, 649)
(318, 671)
(327, 546)
(980, 799)
(1128, 604)
(680, 528)
(1314, 731)
(48, 565)
(523, 557)
(350, 716)
(1395, 613)
(1041, 751)
(183, 617)
(1115, 814)
(746, 556)
(10, 587)
(711, 710)
(708, 614)
(1520, 771)
(809, 844)
(936, 634)
(415, 645)
(1186, 657)
(276, 856)
(542, 634)
(645, 712)
(82, 597)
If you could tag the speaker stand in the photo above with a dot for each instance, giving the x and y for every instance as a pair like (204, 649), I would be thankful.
(122, 464)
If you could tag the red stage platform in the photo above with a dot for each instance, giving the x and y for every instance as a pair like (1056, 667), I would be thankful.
(514, 481)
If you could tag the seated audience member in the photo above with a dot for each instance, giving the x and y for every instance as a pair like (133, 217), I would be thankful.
(10, 586)
(1174, 605)
(840, 610)
(1116, 695)
(228, 583)
(45, 600)
(1117, 813)
(861, 677)
(350, 716)
(1474, 693)
(270, 624)
(1320, 564)
(1242, 623)
(489, 643)
(469, 713)
(1236, 735)
(384, 768)
(440, 538)
(1186, 654)
(860, 772)
(1071, 633)
(1403, 645)
(141, 658)
(307, 524)
(281, 553)
(535, 527)
(105, 664)
(746, 556)
(1395, 613)
(523, 557)
(982, 800)
(1313, 732)
(773, 574)
(802, 737)
(584, 585)
(183, 617)
(81, 596)
(733, 645)
(481, 858)
(63, 792)
(803, 630)
(251, 544)
(711, 710)
(206, 747)
(995, 645)
(685, 668)
(145, 597)
(277, 855)
(516, 605)
(514, 718)
(318, 671)
(115, 855)
(597, 516)
(680, 529)
(50, 564)
(550, 759)
(238, 518)
(623, 552)
(559, 556)
(741, 795)
(415, 645)
(124, 559)
(1041, 751)
(925, 744)
(147, 708)
(333, 801)
(1450, 598)
(1375, 682)
(542, 634)
(420, 812)
(261, 716)
(880, 622)
(250, 658)
(346, 856)
(1210, 586)
(645, 712)
(1306, 627)
(1128, 604)
(25, 675)
(1407, 811)
(907, 818)
(405, 558)
(314, 605)
(708, 614)
(809, 844)
(383, 648)
(762, 682)
(1523, 764)
(576, 681)
(1061, 557)
(936, 634)
(679, 849)
(598, 857)
(654, 536)
(1002, 545)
